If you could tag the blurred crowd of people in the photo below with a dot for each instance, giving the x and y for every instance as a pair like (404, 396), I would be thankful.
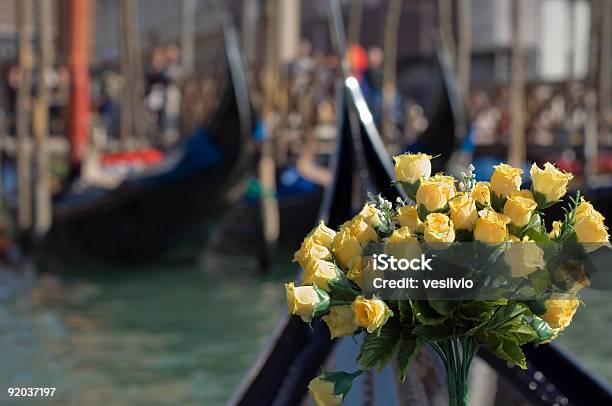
(555, 115)
(163, 80)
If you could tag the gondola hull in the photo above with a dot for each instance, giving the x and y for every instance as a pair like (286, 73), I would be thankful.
(155, 210)
(139, 222)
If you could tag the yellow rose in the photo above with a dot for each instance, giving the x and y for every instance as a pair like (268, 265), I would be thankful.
(586, 210)
(400, 235)
(435, 192)
(345, 247)
(549, 182)
(590, 227)
(482, 194)
(362, 231)
(591, 230)
(463, 212)
(319, 273)
(310, 251)
(524, 258)
(559, 312)
(370, 314)
(491, 227)
(323, 235)
(323, 392)
(506, 179)
(306, 301)
(367, 273)
(370, 214)
(519, 207)
(402, 244)
(556, 229)
(412, 167)
(408, 216)
(340, 321)
(447, 183)
(438, 228)
(330, 388)
(354, 270)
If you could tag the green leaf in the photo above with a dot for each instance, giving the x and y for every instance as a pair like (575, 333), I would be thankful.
(444, 307)
(411, 188)
(506, 314)
(480, 206)
(322, 306)
(408, 349)
(426, 314)
(341, 288)
(518, 330)
(498, 202)
(436, 333)
(534, 224)
(537, 307)
(540, 199)
(481, 310)
(343, 381)
(542, 329)
(406, 312)
(378, 350)
(423, 212)
(540, 281)
(537, 236)
(504, 348)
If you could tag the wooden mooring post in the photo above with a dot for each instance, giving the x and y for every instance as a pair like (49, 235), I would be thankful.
(24, 186)
(389, 91)
(42, 209)
(78, 63)
(516, 150)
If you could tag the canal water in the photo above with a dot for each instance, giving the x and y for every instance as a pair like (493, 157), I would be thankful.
(169, 334)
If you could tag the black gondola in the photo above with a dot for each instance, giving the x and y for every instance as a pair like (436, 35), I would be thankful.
(448, 120)
(151, 211)
(295, 352)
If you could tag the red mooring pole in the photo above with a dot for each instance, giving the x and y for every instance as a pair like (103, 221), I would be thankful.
(77, 120)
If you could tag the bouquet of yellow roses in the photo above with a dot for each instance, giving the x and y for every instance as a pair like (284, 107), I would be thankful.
(524, 278)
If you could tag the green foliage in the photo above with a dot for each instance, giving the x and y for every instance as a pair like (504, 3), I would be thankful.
(408, 346)
(540, 199)
(535, 223)
(378, 350)
(498, 202)
(423, 212)
(343, 381)
(506, 331)
(411, 188)
(426, 314)
(567, 227)
(406, 313)
(542, 329)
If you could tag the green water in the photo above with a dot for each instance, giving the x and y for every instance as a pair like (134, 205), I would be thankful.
(163, 335)
(588, 337)
(169, 334)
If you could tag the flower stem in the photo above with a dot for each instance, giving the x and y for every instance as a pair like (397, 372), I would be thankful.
(457, 354)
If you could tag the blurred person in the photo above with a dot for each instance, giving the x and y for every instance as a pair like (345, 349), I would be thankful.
(108, 101)
(373, 82)
(173, 73)
(323, 79)
(155, 85)
(301, 68)
(12, 81)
